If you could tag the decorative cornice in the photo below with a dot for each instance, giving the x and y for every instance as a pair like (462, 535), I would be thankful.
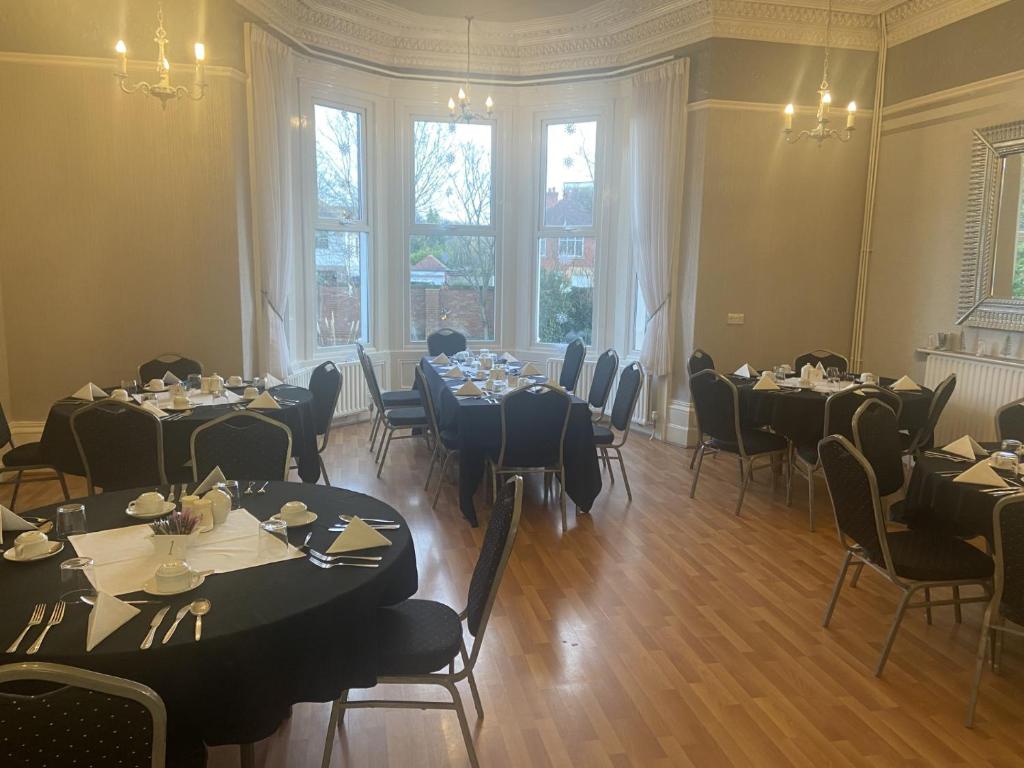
(914, 18)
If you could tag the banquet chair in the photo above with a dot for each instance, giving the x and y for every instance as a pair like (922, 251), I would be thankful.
(910, 560)
(397, 398)
(717, 402)
(245, 445)
(601, 383)
(121, 445)
(613, 437)
(875, 428)
(534, 421)
(417, 639)
(923, 437)
(325, 386)
(1007, 603)
(27, 457)
(1010, 421)
(446, 442)
(182, 367)
(446, 340)
(572, 365)
(700, 361)
(827, 358)
(392, 419)
(53, 715)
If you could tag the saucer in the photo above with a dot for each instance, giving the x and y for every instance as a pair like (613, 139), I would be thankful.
(150, 587)
(168, 508)
(56, 547)
(148, 388)
(309, 518)
(171, 407)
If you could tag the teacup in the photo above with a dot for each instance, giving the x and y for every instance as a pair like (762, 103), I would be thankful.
(220, 504)
(31, 544)
(121, 395)
(999, 459)
(155, 384)
(173, 576)
(150, 503)
(251, 393)
(293, 511)
(805, 383)
(234, 381)
(203, 509)
(204, 383)
(868, 378)
(178, 389)
(181, 402)
(187, 502)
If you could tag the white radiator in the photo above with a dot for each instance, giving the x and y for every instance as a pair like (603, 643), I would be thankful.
(642, 414)
(355, 397)
(981, 387)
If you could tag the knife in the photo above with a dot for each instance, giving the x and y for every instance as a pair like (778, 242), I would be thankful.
(181, 614)
(153, 625)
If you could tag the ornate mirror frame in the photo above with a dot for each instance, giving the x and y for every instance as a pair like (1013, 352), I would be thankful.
(976, 305)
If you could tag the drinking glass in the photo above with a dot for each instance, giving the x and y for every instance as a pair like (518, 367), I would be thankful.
(832, 374)
(195, 381)
(273, 538)
(76, 579)
(230, 487)
(779, 372)
(131, 386)
(70, 520)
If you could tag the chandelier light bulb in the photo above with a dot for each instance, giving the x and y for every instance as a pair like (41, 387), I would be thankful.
(451, 104)
(826, 98)
(852, 106)
(200, 52)
(121, 48)
(788, 111)
(489, 104)
(462, 94)
(851, 113)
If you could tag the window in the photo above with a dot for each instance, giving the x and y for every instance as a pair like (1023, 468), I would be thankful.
(566, 262)
(340, 227)
(452, 235)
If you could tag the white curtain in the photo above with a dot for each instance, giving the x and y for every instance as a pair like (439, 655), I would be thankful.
(657, 139)
(272, 107)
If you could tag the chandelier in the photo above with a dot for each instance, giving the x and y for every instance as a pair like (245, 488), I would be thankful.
(162, 89)
(462, 111)
(821, 131)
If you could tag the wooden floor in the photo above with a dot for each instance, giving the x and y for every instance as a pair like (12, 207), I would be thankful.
(668, 632)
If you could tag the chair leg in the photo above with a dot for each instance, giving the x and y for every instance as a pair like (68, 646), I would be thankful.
(837, 588)
(332, 725)
(789, 475)
(810, 498)
(856, 575)
(745, 478)
(561, 498)
(373, 429)
(247, 755)
(385, 444)
(472, 683)
(433, 461)
(63, 485)
(463, 723)
(956, 606)
(323, 470)
(440, 480)
(928, 605)
(740, 462)
(608, 464)
(17, 487)
(892, 632)
(625, 480)
(979, 667)
(696, 448)
(696, 475)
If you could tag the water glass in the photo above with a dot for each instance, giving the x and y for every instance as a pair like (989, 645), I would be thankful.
(273, 538)
(230, 487)
(131, 386)
(194, 381)
(779, 372)
(832, 374)
(70, 520)
(76, 579)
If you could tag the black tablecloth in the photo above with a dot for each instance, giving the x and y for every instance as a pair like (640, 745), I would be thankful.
(59, 449)
(478, 425)
(276, 635)
(960, 509)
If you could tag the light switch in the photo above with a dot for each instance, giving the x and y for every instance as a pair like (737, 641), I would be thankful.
(735, 318)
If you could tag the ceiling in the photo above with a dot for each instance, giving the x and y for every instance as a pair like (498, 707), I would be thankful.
(496, 10)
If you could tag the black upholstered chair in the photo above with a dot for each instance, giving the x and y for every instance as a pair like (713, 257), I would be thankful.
(27, 457)
(700, 361)
(121, 445)
(102, 720)
(182, 367)
(924, 436)
(911, 560)
(446, 340)
(325, 386)
(572, 365)
(392, 419)
(533, 425)
(601, 383)
(245, 445)
(827, 358)
(718, 413)
(1007, 603)
(1010, 421)
(446, 442)
(613, 437)
(396, 398)
(875, 428)
(419, 641)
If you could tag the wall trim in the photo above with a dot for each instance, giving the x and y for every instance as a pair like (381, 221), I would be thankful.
(95, 62)
(958, 97)
(762, 106)
(27, 431)
(681, 424)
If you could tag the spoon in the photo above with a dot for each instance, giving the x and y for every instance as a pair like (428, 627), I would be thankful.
(199, 608)
(91, 600)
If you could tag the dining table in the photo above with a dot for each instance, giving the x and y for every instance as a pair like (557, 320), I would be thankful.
(275, 635)
(477, 423)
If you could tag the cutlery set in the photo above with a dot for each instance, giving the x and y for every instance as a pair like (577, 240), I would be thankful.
(322, 560)
(197, 608)
(56, 616)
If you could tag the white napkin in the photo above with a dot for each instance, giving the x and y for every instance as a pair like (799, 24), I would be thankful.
(11, 522)
(981, 474)
(905, 384)
(89, 392)
(170, 378)
(453, 373)
(469, 389)
(264, 400)
(358, 535)
(441, 359)
(766, 382)
(107, 615)
(270, 380)
(510, 358)
(819, 369)
(158, 412)
(215, 476)
(746, 370)
(967, 447)
(530, 370)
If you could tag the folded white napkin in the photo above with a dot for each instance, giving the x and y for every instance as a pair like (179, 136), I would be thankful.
(530, 370)
(358, 535)
(89, 392)
(441, 359)
(12, 522)
(981, 474)
(107, 615)
(905, 384)
(469, 389)
(147, 405)
(510, 358)
(264, 400)
(170, 378)
(215, 476)
(967, 447)
(820, 370)
(270, 380)
(746, 370)
(766, 382)
(454, 373)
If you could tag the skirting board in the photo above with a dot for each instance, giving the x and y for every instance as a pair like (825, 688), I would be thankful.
(681, 424)
(26, 431)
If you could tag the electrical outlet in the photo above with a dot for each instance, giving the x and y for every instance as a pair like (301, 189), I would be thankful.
(734, 318)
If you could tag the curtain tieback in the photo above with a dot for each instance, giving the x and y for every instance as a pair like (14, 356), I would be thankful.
(658, 309)
(266, 298)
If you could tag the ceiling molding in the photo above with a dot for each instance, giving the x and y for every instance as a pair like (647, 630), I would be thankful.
(608, 34)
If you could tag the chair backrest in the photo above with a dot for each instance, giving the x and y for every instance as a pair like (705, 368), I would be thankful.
(58, 719)
(5, 428)
(182, 367)
(533, 424)
(490, 565)
(851, 484)
(446, 340)
(631, 382)
(604, 376)
(943, 391)
(1009, 421)
(325, 385)
(699, 361)
(1008, 552)
(718, 406)
(121, 445)
(371, 378)
(572, 364)
(841, 406)
(827, 358)
(876, 435)
(245, 445)
(428, 400)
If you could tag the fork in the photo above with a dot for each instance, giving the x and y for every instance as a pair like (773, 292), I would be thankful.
(248, 490)
(331, 558)
(55, 618)
(324, 564)
(263, 488)
(37, 618)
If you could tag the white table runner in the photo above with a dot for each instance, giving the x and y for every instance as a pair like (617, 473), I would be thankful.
(197, 398)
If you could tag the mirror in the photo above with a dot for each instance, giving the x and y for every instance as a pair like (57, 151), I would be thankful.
(992, 275)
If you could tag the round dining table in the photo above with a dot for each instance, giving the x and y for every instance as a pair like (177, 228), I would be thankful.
(275, 635)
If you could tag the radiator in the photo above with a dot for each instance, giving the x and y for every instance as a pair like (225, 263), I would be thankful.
(642, 414)
(981, 387)
(355, 397)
